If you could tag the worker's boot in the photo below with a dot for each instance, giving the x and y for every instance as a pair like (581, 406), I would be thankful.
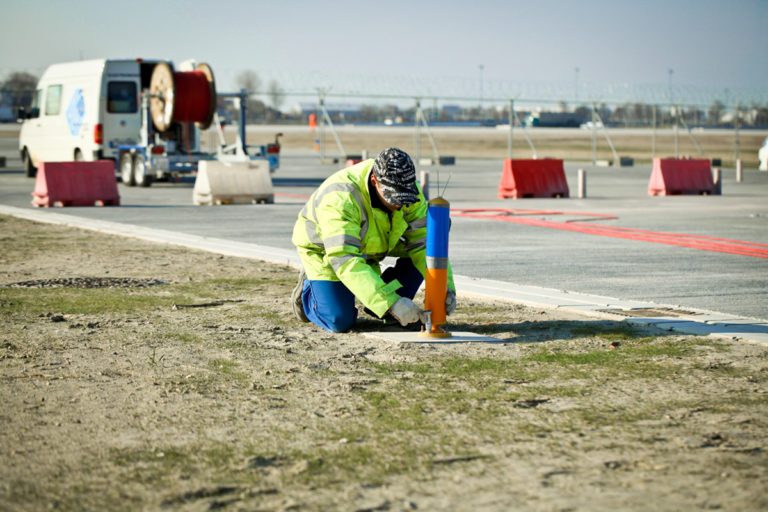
(296, 304)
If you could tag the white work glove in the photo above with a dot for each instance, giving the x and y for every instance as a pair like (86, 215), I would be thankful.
(450, 302)
(405, 311)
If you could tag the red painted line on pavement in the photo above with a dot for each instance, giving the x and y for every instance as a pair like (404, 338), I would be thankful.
(493, 212)
(691, 241)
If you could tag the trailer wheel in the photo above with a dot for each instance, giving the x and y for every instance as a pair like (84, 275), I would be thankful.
(143, 179)
(29, 167)
(126, 169)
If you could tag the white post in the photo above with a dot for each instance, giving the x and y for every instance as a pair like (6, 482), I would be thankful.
(739, 171)
(737, 139)
(677, 143)
(653, 135)
(322, 128)
(424, 182)
(582, 183)
(594, 134)
(511, 128)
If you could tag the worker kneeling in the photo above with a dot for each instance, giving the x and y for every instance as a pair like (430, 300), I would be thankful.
(358, 216)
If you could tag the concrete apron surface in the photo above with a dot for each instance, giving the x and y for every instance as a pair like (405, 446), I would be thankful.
(415, 337)
(663, 316)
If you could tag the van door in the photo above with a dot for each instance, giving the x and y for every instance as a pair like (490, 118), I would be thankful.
(121, 116)
(29, 136)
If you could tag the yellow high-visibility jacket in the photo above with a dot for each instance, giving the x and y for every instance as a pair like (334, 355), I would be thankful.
(341, 237)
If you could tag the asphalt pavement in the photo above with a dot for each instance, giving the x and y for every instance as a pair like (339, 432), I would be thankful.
(549, 255)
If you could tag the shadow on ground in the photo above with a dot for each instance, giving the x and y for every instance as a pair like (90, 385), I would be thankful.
(531, 332)
(297, 182)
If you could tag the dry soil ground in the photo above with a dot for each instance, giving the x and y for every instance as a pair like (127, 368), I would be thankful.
(145, 377)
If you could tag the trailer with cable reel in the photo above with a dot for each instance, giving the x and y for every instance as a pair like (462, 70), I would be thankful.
(188, 97)
(176, 106)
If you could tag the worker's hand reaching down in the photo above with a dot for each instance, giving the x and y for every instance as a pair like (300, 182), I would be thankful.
(450, 302)
(405, 311)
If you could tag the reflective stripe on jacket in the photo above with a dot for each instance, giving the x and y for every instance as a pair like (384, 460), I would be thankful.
(341, 237)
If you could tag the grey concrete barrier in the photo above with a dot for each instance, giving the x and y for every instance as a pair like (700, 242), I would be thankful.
(233, 183)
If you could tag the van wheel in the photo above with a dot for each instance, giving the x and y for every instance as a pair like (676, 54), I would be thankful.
(79, 156)
(29, 168)
(126, 169)
(143, 179)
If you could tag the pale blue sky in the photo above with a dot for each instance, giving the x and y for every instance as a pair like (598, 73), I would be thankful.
(525, 47)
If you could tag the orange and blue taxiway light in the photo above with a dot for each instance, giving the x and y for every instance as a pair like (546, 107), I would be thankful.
(436, 276)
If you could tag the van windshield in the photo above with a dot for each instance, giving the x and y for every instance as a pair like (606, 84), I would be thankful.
(121, 98)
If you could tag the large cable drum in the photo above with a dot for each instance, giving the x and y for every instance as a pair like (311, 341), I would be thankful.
(182, 97)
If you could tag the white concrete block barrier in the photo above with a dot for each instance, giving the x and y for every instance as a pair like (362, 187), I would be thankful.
(233, 183)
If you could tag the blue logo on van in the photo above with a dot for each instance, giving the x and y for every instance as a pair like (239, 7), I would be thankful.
(76, 112)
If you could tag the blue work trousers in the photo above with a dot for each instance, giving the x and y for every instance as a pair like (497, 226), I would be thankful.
(330, 304)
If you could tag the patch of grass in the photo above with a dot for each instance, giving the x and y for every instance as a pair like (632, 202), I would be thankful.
(76, 301)
(620, 332)
(473, 310)
(184, 337)
(462, 368)
(477, 393)
(389, 412)
(639, 358)
(34, 301)
(238, 283)
(228, 287)
(164, 463)
(370, 461)
(228, 369)
(740, 402)
(219, 377)
(271, 315)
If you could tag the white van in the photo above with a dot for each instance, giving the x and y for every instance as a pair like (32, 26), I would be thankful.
(84, 111)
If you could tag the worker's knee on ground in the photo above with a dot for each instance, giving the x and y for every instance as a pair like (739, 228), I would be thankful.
(330, 305)
(340, 321)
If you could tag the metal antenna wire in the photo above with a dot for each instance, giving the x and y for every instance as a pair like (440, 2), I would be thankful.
(450, 174)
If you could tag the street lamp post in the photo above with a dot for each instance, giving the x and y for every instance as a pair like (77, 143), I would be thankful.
(675, 112)
(480, 67)
(670, 72)
(576, 85)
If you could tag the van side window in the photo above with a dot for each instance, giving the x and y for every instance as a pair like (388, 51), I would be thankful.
(122, 98)
(53, 100)
(34, 109)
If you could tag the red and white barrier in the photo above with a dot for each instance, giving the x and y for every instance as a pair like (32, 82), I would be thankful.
(76, 184)
(353, 160)
(673, 176)
(522, 178)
